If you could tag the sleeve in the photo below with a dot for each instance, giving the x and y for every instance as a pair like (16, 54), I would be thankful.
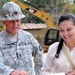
(48, 62)
(37, 53)
(4, 70)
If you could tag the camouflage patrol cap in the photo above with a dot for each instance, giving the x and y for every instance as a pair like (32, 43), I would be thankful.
(11, 11)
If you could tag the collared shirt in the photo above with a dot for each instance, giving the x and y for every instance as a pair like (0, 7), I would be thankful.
(17, 54)
(57, 65)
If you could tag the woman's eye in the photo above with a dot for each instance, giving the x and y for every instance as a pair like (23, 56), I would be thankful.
(68, 29)
(61, 30)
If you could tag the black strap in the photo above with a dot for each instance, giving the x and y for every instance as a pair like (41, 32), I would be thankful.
(59, 48)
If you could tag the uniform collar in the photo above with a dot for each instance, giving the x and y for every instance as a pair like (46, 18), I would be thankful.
(10, 39)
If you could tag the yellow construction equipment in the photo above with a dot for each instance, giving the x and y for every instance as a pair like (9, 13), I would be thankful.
(52, 34)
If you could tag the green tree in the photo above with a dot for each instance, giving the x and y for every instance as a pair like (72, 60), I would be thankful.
(53, 7)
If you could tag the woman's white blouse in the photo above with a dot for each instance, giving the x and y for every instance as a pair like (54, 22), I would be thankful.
(57, 65)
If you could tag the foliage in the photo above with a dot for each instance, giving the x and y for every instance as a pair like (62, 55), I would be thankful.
(53, 7)
(74, 1)
(39, 39)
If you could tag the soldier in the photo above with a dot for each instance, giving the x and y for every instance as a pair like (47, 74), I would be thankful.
(17, 46)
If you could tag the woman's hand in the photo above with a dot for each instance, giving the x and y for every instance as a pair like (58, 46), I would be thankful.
(70, 72)
(19, 72)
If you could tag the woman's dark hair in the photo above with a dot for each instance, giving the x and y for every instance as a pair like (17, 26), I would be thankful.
(66, 17)
(61, 19)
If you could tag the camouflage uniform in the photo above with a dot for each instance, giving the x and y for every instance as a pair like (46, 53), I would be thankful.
(17, 55)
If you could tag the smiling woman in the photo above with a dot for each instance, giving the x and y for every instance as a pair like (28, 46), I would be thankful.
(67, 32)
(55, 56)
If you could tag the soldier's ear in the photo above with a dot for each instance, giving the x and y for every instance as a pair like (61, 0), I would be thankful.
(3, 21)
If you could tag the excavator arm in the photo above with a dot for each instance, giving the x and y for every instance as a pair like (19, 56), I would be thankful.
(52, 34)
(36, 12)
